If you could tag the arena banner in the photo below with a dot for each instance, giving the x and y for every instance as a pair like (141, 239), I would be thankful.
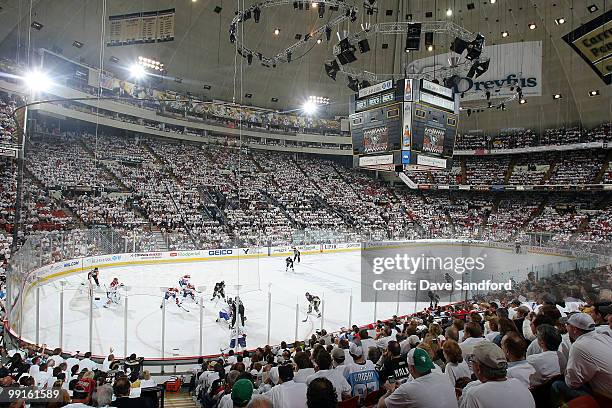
(511, 65)
(593, 42)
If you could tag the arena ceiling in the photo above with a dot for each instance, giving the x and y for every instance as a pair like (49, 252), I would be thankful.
(201, 53)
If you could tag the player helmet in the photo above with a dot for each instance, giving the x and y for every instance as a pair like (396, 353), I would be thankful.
(307, 294)
(187, 276)
(115, 279)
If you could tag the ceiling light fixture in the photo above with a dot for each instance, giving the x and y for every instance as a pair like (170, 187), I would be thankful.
(276, 31)
(594, 92)
(505, 34)
(557, 96)
(449, 12)
(560, 20)
(532, 26)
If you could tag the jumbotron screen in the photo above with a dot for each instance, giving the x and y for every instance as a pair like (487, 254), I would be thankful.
(377, 130)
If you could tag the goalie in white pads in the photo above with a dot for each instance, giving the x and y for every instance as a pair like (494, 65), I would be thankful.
(112, 293)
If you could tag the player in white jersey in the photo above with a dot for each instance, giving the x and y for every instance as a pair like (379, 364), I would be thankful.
(171, 293)
(184, 281)
(189, 292)
(238, 334)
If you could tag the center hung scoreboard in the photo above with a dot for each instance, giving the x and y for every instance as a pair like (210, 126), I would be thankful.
(409, 125)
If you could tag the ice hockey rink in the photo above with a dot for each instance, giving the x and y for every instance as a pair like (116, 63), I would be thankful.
(334, 277)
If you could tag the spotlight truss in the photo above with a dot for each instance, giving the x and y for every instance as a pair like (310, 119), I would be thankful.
(461, 64)
(345, 12)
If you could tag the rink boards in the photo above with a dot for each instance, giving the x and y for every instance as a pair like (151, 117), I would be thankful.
(331, 271)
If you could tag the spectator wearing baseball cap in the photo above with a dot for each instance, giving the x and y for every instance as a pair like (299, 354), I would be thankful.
(81, 394)
(495, 389)
(361, 375)
(589, 365)
(242, 391)
(427, 389)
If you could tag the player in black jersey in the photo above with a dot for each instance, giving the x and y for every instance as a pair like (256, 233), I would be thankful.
(313, 303)
(289, 264)
(219, 290)
(93, 274)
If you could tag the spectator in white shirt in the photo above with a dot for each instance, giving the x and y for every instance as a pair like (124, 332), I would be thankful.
(495, 389)
(304, 367)
(87, 363)
(472, 335)
(426, 390)
(456, 367)
(57, 357)
(514, 348)
(589, 366)
(547, 363)
(342, 387)
(493, 329)
(288, 393)
(338, 357)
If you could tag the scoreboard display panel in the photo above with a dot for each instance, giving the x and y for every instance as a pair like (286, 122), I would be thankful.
(433, 130)
(409, 125)
(377, 130)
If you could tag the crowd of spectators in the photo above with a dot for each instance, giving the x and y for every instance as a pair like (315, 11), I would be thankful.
(523, 138)
(542, 344)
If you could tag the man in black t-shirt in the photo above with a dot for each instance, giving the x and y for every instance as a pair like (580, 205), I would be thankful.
(394, 363)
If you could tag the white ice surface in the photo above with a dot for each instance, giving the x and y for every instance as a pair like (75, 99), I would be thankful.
(333, 276)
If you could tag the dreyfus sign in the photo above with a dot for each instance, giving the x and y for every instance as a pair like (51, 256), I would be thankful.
(511, 65)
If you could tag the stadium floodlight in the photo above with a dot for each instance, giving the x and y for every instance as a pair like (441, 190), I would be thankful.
(137, 71)
(37, 81)
(309, 108)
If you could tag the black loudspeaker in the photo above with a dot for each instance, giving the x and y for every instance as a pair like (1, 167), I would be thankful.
(364, 46)
(413, 37)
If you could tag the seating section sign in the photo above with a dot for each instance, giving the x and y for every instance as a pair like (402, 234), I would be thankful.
(593, 42)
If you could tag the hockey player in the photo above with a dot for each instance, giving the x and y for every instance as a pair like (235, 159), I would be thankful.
(226, 312)
(219, 290)
(184, 281)
(296, 255)
(171, 293)
(238, 334)
(189, 291)
(237, 309)
(289, 264)
(93, 274)
(313, 303)
(112, 292)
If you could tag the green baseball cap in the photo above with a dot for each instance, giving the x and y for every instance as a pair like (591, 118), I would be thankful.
(420, 359)
(242, 392)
